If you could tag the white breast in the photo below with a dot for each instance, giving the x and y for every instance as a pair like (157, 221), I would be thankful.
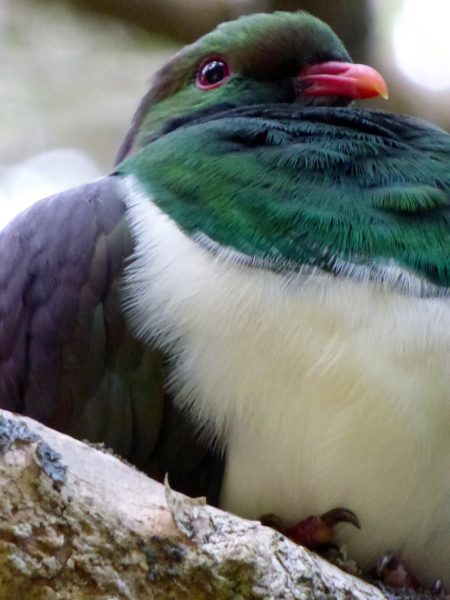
(326, 392)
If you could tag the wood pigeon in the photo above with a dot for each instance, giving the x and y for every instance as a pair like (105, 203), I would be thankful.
(260, 285)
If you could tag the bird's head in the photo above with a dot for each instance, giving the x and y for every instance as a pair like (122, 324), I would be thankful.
(246, 142)
(259, 59)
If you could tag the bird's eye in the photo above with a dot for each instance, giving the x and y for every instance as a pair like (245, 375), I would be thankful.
(212, 72)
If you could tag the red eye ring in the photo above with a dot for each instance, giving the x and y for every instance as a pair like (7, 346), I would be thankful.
(212, 72)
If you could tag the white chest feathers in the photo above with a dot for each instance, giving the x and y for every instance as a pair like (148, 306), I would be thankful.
(326, 392)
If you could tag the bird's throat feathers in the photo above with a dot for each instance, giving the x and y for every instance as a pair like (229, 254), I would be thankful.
(304, 189)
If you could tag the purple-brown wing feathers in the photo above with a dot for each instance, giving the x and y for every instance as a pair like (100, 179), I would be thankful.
(67, 357)
(65, 350)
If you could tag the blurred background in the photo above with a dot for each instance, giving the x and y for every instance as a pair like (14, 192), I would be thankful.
(73, 71)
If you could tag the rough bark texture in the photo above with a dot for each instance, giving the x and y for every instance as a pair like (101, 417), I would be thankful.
(77, 523)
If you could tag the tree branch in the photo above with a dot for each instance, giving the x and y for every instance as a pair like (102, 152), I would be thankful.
(78, 523)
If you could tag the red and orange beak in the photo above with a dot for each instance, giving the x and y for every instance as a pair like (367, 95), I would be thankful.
(342, 79)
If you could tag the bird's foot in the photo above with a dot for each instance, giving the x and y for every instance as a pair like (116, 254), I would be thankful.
(314, 531)
(317, 533)
(395, 573)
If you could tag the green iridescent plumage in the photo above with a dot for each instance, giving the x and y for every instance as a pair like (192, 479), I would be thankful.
(310, 186)
(265, 52)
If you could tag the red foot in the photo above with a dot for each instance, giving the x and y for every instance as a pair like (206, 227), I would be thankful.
(313, 532)
(392, 571)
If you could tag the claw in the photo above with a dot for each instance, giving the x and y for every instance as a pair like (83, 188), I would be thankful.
(273, 521)
(437, 588)
(340, 515)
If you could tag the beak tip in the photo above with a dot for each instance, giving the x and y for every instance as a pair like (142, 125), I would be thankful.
(381, 88)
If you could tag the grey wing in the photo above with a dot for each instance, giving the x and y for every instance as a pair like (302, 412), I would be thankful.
(67, 357)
